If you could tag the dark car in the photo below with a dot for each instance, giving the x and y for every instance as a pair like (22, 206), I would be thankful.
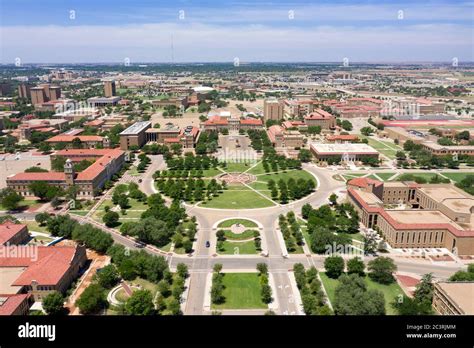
(208, 244)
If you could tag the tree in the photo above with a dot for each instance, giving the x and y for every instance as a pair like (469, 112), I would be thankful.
(424, 289)
(266, 292)
(304, 155)
(334, 266)
(53, 303)
(140, 303)
(262, 268)
(217, 268)
(10, 199)
(381, 270)
(366, 131)
(356, 265)
(92, 300)
(346, 125)
(39, 189)
(110, 218)
(42, 218)
(108, 276)
(333, 199)
(351, 297)
(182, 270)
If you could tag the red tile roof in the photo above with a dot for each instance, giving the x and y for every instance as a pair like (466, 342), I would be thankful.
(319, 114)
(49, 176)
(70, 138)
(364, 182)
(403, 226)
(251, 121)
(216, 120)
(51, 264)
(8, 230)
(13, 301)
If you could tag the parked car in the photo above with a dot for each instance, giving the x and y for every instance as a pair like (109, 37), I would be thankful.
(208, 244)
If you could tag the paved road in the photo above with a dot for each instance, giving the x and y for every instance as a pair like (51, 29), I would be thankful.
(203, 259)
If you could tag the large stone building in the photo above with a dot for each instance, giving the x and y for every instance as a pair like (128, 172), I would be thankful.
(280, 137)
(454, 298)
(411, 215)
(85, 141)
(272, 110)
(219, 123)
(135, 135)
(171, 134)
(345, 152)
(322, 119)
(107, 162)
(109, 89)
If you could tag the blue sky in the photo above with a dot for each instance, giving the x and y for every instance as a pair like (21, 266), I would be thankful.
(145, 30)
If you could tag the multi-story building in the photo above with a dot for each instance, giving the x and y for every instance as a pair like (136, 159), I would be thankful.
(109, 89)
(428, 215)
(300, 108)
(24, 91)
(53, 269)
(13, 234)
(86, 141)
(42, 93)
(345, 152)
(219, 123)
(281, 137)
(135, 135)
(171, 134)
(272, 110)
(107, 162)
(322, 119)
(103, 101)
(453, 298)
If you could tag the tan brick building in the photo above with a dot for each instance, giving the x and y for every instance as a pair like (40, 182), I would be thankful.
(427, 215)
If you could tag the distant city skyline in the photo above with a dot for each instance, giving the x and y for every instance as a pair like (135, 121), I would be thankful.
(53, 31)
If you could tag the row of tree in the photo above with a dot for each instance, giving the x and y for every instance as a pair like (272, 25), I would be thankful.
(312, 294)
(290, 189)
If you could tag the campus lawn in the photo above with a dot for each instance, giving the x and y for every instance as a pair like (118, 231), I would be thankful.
(24, 204)
(385, 176)
(258, 169)
(390, 292)
(241, 291)
(35, 227)
(239, 236)
(236, 167)
(238, 200)
(259, 185)
(425, 175)
(238, 248)
(79, 212)
(387, 148)
(457, 177)
(292, 173)
(209, 173)
(244, 222)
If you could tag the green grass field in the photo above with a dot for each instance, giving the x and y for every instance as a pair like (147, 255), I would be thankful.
(237, 167)
(35, 227)
(258, 169)
(457, 177)
(246, 199)
(295, 174)
(244, 222)
(390, 292)
(239, 236)
(385, 176)
(238, 248)
(242, 291)
(387, 148)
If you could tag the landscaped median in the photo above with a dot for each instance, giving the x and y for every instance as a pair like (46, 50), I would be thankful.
(240, 291)
(238, 237)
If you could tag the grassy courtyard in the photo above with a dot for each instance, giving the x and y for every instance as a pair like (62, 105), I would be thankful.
(233, 199)
(243, 222)
(390, 292)
(241, 291)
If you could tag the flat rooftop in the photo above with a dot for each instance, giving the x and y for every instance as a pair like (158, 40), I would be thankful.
(8, 275)
(343, 148)
(461, 293)
(370, 198)
(136, 128)
(440, 193)
(421, 217)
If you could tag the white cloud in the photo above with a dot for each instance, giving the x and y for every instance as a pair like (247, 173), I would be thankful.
(205, 42)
